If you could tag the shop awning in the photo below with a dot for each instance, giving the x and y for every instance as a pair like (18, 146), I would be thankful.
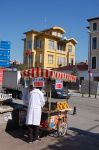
(39, 72)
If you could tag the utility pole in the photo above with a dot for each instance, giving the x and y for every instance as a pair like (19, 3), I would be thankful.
(89, 66)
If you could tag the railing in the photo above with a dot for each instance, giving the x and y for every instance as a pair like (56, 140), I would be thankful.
(61, 51)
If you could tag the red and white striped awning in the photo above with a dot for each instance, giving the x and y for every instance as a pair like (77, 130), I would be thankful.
(39, 72)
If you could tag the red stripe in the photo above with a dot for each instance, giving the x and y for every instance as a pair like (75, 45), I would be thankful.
(37, 72)
(24, 73)
(73, 78)
(46, 73)
(32, 72)
(51, 74)
(65, 76)
(29, 72)
(56, 75)
(70, 77)
(42, 72)
(61, 75)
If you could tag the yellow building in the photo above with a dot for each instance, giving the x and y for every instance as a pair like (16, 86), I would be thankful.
(48, 48)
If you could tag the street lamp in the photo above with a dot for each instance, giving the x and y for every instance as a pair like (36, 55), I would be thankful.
(89, 64)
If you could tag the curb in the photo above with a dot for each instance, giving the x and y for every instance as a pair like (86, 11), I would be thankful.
(71, 133)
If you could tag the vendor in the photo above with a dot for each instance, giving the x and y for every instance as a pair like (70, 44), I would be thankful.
(36, 102)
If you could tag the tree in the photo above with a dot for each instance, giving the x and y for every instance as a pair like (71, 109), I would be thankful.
(74, 71)
(22, 67)
(60, 65)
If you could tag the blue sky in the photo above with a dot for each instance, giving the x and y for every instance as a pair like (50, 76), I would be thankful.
(19, 16)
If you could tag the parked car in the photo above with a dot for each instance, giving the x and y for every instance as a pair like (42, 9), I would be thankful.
(59, 93)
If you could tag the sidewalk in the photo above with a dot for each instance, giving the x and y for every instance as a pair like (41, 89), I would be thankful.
(77, 93)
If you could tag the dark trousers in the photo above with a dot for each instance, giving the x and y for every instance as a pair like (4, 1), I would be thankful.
(33, 131)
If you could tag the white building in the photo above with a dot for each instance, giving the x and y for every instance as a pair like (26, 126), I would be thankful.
(93, 59)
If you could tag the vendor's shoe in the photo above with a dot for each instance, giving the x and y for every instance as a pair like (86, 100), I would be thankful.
(36, 141)
(39, 139)
(30, 142)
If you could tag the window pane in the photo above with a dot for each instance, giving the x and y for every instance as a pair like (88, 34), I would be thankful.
(38, 43)
(50, 59)
(94, 43)
(72, 61)
(93, 62)
(94, 26)
(51, 44)
(69, 48)
(29, 44)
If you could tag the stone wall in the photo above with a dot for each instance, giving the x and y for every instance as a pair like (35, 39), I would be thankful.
(94, 87)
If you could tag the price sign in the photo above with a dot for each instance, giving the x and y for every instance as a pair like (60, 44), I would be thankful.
(38, 82)
(58, 84)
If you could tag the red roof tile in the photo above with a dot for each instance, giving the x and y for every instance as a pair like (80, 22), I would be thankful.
(80, 67)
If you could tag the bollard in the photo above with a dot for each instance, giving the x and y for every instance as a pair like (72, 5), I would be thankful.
(95, 96)
(74, 111)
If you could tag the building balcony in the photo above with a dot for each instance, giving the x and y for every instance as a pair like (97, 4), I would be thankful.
(60, 52)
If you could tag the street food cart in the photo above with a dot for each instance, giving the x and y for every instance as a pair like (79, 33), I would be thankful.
(54, 113)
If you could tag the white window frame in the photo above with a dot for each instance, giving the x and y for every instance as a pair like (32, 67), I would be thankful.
(40, 58)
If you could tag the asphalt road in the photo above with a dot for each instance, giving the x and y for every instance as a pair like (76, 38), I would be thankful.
(83, 131)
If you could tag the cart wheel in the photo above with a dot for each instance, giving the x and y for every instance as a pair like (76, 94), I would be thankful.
(61, 128)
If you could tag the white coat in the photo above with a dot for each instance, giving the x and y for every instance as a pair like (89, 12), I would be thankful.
(36, 101)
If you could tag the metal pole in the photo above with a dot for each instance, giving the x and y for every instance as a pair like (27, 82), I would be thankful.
(89, 83)
(28, 61)
(89, 61)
